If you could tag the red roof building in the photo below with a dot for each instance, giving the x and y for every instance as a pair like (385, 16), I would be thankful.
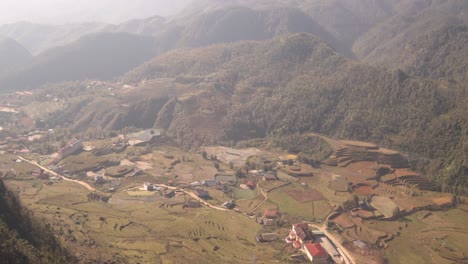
(272, 214)
(251, 184)
(316, 253)
(296, 244)
(300, 232)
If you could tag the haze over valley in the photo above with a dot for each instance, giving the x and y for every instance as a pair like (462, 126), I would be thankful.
(234, 131)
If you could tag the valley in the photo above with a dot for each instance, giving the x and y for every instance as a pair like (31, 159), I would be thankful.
(279, 131)
(111, 200)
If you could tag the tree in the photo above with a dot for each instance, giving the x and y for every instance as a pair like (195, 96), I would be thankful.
(240, 174)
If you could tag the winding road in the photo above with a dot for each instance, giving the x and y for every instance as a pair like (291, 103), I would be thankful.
(194, 196)
(85, 184)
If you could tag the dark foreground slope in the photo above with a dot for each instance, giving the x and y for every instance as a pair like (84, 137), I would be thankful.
(23, 238)
(99, 56)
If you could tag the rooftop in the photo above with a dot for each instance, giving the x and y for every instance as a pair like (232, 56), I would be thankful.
(316, 250)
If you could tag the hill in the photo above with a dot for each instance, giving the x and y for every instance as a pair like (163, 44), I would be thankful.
(95, 56)
(427, 42)
(298, 84)
(292, 84)
(230, 24)
(424, 38)
(38, 38)
(12, 55)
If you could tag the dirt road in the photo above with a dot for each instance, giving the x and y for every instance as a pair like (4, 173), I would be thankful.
(265, 196)
(85, 184)
(194, 196)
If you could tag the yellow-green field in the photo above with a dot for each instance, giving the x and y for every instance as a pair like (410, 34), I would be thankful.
(143, 232)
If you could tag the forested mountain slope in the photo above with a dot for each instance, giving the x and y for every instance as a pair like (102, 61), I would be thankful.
(298, 84)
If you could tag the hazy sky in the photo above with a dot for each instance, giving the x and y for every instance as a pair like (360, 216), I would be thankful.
(69, 11)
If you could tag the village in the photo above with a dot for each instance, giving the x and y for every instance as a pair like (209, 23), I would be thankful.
(346, 209)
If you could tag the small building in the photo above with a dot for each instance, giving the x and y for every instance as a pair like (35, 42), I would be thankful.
(244, 186)
(256, 172)
(229, 204)
(40, 174)
(272, 214)
(265, 221)
(316, 253)
(195, 184)
(251, 185)
(98, 179)
(170, 194)
(202, 193)
(24, 151)
(328, 246)
(192, 203)
(269, 176)
(266, 237)
(70, 148)
(148, 186)
(210, 183)
(300, 232)
(221, 187)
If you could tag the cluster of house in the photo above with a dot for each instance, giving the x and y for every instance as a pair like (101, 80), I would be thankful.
(42, 175)
(13, 144)
(316, 246)
(266, 176)
(269, 217)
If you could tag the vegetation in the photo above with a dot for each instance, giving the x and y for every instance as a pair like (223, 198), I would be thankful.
(297, 84)
(24, 238)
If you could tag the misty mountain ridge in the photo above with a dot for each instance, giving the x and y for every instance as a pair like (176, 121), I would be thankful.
(92, 57)
(12, 55)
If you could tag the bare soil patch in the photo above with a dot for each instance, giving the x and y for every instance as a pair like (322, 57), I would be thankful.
(343, 221)
(143, 165)
(305, 196)
(230, 155)
(363, 190)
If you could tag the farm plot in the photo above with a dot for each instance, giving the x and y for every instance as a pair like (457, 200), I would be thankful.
(304, 196)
